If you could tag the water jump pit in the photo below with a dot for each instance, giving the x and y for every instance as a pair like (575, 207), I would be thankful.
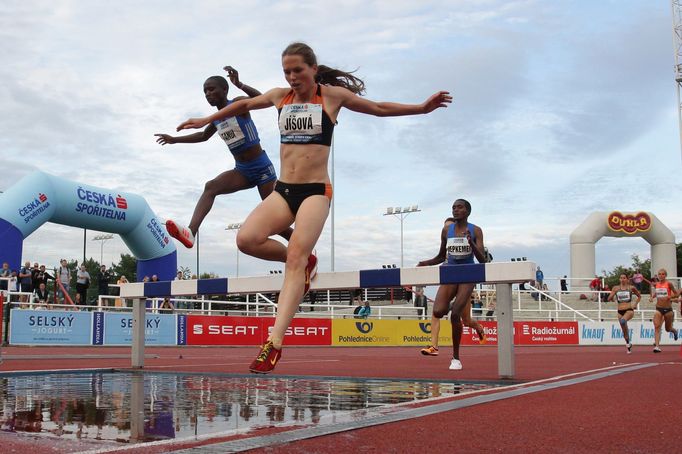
(115, 408)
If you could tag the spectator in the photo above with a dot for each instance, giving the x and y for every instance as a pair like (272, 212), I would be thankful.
(34, 276)
(155, 278)
(13, 285)
(365, 311)
(166, 307)
(148, 302)
(312, 296)
(103, 280)
(355, 295)
(64, 274)
(595, 288)
(25, 283)
(42, 277)
(539, 277)
(420, 299)
(42, 296)
(605, 292)
(564, 286)
(408, 293)
(4, 273)
(180, 304)
(477, 305)
(82, 284)
(637, 279)
(119, 302)
(490, 306)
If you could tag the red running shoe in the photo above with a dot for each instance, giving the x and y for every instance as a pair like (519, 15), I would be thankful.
(180, 233)
(310, 272)
(266, 359)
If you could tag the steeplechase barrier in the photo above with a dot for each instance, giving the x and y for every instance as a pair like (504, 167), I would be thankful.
(501, 274)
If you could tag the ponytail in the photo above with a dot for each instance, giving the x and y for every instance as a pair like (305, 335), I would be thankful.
(338, 78)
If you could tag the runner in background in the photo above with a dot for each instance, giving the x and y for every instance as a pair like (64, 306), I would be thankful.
(461, 241)
(432, 350)
(626, 308)
(664, 291)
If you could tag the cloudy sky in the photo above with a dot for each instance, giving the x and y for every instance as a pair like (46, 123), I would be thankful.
(560, 109)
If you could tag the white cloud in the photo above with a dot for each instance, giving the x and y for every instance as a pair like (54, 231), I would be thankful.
(559, 109)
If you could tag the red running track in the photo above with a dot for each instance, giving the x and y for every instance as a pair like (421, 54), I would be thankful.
(637, 411)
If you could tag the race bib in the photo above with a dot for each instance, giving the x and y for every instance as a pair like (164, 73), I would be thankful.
(300, 123)
(231, 133)
(661, 292)
(458, 247)
(623, 296)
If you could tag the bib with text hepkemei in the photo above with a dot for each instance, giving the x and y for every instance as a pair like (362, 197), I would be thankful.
(231, 133)
(300, 123)
(458, 247)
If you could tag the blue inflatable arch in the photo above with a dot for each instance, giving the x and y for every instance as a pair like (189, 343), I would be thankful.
(39, 198)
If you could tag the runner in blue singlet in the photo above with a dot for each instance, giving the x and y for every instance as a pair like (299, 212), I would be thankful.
(253, 167)
(461, 241)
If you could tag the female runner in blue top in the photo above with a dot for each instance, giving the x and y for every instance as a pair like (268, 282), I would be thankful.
(308, 110)
(460, 242)
(252, 165)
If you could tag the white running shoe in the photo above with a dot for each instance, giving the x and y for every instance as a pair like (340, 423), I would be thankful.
(180, 233)
(657, 349)
(629, 346)
(455, 364)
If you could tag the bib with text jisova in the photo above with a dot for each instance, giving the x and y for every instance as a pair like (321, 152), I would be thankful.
(300, 123)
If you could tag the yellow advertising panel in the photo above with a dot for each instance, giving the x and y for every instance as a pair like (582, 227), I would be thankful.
(375, 333)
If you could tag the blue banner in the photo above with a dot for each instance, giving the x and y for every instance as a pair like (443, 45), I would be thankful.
(160, 329)
(42, 327)
(182, 329)
(39, 198)
(98, 328)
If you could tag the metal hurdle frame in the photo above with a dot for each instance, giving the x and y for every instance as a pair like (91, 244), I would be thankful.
(502, 274)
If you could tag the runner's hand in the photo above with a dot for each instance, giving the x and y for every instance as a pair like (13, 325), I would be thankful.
(164, 139)
(192, 123)
(440, 99)
(233, 74)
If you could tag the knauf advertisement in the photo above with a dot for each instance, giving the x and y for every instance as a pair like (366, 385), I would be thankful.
(610, 333)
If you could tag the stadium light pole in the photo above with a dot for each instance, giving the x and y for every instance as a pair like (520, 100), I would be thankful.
(401, 213)
(235, 227)
(102, 239)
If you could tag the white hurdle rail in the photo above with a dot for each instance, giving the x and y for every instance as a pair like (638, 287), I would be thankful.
(502, 274)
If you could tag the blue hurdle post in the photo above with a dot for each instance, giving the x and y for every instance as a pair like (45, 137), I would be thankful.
(502, 274)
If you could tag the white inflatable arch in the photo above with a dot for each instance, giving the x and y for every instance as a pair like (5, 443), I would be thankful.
(618, 224)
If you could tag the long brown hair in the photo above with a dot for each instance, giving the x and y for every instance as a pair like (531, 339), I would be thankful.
(325, 74)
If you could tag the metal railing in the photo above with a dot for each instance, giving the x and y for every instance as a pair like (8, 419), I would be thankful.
(259, 305)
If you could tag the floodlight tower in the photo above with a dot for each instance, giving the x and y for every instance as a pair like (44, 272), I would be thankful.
(677, 52)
